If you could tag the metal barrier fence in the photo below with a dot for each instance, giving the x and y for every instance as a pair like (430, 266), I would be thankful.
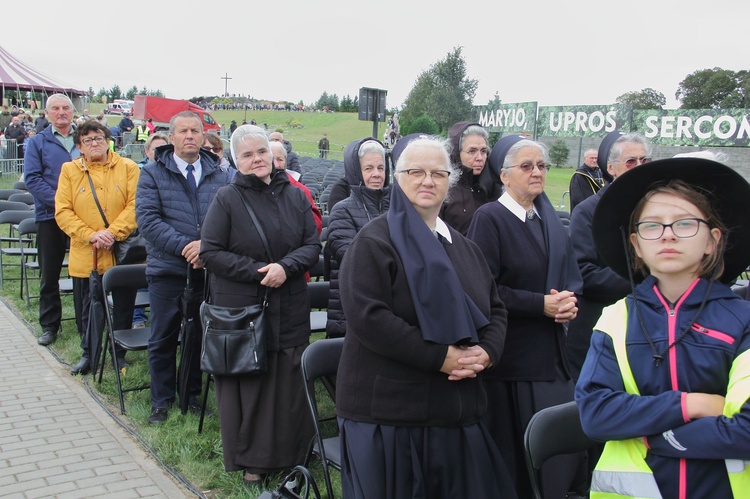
(11, 160)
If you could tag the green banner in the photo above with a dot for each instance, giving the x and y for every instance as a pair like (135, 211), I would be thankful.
(581, 121)
(694, 127)
(673, 127)
(508, 118)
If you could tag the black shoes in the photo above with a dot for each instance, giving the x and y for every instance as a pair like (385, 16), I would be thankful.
(158, 415)
(195, 408)
(83, 367)
(48, 337)
(253, 480)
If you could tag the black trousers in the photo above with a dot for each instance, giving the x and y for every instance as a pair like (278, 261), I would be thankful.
(52, 243)
(123, 303)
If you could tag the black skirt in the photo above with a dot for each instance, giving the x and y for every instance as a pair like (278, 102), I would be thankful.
(511, 404)
(420, 462)
(266, 425)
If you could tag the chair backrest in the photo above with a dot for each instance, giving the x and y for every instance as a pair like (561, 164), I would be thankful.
(27, 226)
(553, 431)
(14, 205)
(321, 358)
(318, 269)
(125, 276)
(320, 361)
(23, 197)
(15, 216)
(6, 193)
(20, 185)
(319, 292)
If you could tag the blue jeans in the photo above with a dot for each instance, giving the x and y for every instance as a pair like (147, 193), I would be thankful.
(139, 313)
(164, 295)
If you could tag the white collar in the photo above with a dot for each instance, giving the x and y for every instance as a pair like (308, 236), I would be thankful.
(513, 206)
(442, 229)
(182, 164)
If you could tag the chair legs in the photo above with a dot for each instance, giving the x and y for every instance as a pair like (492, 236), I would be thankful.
(209, 378)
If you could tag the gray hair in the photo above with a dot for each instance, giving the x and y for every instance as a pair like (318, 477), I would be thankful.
(635, 138)
(59, 97)
(184, 114)
(589, 151)
(510, 156)
(430, 142)
(244, 133)
(277, 146)
(156, 136)
(371, 146)
(474, 130)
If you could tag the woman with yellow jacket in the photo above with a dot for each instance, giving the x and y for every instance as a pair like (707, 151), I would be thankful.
(115, 180)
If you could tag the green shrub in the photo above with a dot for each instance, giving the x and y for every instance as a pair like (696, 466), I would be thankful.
(423, 124)
(558, 153)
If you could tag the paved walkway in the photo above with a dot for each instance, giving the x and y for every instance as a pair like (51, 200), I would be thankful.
(55, 440)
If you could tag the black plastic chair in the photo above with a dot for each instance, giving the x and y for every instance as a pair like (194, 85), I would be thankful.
(20, 185)
(122, 276)
(319, 293)
(320, 361)
(317, 272)
(551, 432)
(12, 218)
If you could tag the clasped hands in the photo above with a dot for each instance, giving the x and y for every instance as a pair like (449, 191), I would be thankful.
(561, 306)
(465, 362)
(103, 239)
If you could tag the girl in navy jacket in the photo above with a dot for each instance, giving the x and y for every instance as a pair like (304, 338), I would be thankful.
(667, 378)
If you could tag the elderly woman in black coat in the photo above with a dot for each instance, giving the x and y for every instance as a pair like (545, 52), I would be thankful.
(424, 320)
(264, 422)
(365, 167)
(532, 264)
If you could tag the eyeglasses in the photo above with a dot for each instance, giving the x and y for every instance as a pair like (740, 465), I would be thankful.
(631, 162)
(528, 166)
(216, 150)
(91, 140)
(417, 175)
(484, 151)
(683, 228)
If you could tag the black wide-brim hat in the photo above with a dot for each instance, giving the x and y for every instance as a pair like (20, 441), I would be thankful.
(727, 191)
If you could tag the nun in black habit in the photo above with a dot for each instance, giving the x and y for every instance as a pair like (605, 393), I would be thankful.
(533, 267)
(424, 322)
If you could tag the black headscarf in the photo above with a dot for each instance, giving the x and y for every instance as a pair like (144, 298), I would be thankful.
(446, 314)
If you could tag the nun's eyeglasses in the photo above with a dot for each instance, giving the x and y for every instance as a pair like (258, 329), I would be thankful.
(528, 166)
(631, 162)
(683, 228)
(417, 175)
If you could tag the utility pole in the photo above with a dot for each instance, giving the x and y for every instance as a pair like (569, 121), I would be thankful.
(226, 79)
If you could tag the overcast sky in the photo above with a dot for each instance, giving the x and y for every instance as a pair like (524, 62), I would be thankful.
(556, 53)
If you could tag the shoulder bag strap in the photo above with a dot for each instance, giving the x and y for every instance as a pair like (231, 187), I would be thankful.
(251, 212)
(96, 199)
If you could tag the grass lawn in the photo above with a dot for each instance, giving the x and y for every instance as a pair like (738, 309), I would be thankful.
(177, 443)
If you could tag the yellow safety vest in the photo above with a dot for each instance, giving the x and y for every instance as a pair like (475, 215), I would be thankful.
(622, 470)
(142, 134)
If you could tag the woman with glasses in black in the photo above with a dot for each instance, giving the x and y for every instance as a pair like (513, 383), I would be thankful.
(423, 323)
(537, 277)
(469, 152)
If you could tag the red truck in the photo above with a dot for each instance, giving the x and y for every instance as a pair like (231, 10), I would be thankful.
(161, 110)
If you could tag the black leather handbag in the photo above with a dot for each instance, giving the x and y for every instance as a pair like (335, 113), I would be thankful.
(234, 338)
(131, 250)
